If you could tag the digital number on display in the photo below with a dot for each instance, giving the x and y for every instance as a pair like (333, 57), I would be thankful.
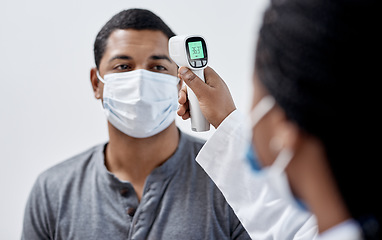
(196, 50)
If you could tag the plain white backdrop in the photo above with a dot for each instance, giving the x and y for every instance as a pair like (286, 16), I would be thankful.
(48, 110)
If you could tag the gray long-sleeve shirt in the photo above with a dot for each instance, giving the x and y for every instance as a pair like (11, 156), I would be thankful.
(80, 199)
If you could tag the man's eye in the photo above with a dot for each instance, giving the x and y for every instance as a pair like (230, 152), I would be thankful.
(160, 68)
(123, 67)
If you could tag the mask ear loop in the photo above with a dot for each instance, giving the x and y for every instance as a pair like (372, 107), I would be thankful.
(258, 112)
(262, 108)
(99, 77)
(282, 160)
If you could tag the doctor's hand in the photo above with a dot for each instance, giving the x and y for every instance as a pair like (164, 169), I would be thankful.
(214, 98)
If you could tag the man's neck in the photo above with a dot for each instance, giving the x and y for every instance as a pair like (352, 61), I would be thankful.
(133, 159)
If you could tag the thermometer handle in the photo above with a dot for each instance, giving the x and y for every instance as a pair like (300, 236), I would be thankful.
(198, 122)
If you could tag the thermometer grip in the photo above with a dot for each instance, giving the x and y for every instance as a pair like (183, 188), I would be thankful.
(198, 122)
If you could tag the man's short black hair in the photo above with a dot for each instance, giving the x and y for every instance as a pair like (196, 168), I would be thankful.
(134, 18)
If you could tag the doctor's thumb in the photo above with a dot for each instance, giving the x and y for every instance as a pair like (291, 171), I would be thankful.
(198, 86)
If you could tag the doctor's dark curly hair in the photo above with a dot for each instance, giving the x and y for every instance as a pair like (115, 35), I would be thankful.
(318, 59)
(134, 18)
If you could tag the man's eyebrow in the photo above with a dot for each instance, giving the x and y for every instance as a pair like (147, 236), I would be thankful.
(124, 57)
(159, 57)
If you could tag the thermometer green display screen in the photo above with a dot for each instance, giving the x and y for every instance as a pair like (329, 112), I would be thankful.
(196, 50)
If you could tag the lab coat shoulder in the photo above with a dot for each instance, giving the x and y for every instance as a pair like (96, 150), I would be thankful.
(262, 213)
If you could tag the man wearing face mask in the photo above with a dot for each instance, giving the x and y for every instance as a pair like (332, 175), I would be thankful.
(144, 182)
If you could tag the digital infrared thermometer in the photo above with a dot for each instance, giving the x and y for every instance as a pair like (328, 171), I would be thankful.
(191, 51)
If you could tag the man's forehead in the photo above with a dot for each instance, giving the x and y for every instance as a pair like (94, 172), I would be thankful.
(142, 43)
(132, 37)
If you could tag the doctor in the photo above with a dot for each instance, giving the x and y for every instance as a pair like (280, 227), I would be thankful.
(262, 211)
(311, 123)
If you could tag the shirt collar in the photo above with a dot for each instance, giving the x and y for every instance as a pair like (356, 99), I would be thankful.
(162, 172)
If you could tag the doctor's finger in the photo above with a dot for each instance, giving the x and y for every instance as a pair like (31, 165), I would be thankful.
(199, 87)
(182, 96)
(183, 111)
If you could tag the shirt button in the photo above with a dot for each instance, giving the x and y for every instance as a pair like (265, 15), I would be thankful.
(131, 211)
(124, 191)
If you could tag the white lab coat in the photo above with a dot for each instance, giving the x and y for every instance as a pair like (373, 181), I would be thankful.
(348, 230)
(263, 214)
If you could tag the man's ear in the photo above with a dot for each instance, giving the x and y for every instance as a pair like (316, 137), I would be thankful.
(97, 85)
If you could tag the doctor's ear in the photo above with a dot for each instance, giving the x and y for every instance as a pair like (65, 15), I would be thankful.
(97, 85)
(287, 136)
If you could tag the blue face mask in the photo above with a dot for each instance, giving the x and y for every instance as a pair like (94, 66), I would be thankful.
(273, 175)
(252, 158)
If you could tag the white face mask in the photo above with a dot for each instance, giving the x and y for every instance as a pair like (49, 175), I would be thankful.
(140, 103)
(274, 175)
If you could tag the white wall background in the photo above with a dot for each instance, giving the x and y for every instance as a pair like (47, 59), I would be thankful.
(47, 108)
